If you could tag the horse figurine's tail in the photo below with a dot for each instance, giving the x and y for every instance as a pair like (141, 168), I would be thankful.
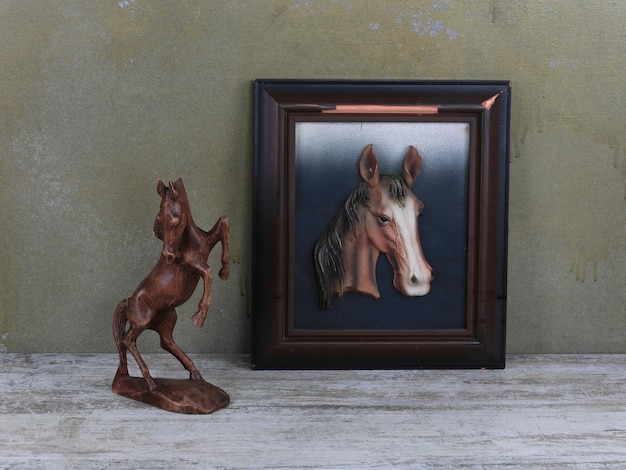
(119, 329)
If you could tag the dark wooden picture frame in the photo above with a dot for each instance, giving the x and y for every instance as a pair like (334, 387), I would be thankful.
(309, 135)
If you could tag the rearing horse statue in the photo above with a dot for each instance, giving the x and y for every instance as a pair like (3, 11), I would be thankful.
(183, 262)
(379, 216)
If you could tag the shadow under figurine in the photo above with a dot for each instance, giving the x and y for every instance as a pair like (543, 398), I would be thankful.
(183, 262)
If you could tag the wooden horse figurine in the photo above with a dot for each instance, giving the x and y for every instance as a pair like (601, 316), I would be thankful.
(379, 216)
(183, 262)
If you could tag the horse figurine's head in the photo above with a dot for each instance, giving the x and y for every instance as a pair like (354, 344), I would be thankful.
(172, 219)
(379, 216)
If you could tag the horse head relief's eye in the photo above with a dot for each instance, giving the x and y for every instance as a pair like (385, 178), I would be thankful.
(383, 219)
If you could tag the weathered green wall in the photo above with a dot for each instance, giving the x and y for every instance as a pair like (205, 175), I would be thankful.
(100, 99)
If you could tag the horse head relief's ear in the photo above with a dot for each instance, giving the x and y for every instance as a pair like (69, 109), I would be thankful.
(412, 166)
(368, 166)
(161, 188)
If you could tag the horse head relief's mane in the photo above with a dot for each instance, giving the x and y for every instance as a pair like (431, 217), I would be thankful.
(378, 216)
(328, 250)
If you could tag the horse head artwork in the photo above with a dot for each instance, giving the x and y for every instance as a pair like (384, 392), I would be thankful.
(182, 263)
(379, 216)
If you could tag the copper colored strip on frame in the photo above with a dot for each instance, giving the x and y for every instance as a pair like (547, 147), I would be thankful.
(381, 109)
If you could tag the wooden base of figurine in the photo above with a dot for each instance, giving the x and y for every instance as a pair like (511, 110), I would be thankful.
(180, 396)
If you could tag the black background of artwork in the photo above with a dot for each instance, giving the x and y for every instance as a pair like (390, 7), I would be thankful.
(320, 191)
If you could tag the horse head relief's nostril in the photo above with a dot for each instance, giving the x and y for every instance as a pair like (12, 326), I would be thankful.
(414, 279)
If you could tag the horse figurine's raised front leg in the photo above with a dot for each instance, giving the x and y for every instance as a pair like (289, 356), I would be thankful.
(220, 232)
(183, 261)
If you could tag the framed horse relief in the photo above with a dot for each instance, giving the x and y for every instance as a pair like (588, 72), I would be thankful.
(380, 224)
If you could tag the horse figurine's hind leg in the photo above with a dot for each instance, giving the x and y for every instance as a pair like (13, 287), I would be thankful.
(171, 282)
(164, 325)
(165, 328)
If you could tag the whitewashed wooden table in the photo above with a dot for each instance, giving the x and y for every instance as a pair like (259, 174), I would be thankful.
(559, 411)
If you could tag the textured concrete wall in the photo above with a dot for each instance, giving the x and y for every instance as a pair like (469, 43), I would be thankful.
(100, 99)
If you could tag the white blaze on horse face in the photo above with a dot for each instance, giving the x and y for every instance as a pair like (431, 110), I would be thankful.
(393, 229)
(413, 274)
